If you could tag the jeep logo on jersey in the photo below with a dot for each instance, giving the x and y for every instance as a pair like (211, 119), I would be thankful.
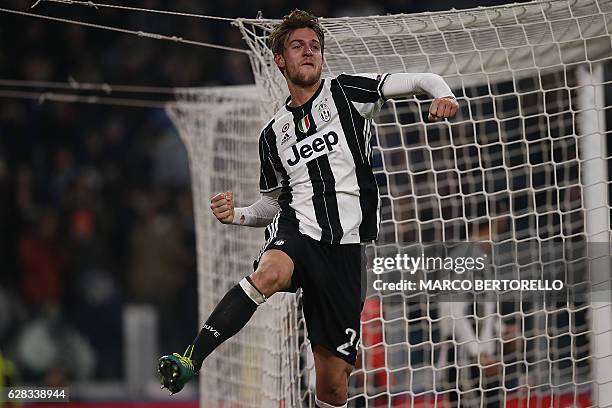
(324, 112)
(312, 148)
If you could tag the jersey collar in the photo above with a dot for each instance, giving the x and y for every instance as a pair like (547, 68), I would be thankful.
(307, 103)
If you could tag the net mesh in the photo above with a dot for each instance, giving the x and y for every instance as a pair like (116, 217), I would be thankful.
(526, 150)
(218, 126)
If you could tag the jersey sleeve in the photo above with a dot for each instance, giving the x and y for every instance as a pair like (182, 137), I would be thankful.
(364, 91)
(269, 178)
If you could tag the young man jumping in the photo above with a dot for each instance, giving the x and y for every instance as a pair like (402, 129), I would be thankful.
(319, 202)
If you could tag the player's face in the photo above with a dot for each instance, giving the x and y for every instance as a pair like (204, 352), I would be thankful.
(302, 58)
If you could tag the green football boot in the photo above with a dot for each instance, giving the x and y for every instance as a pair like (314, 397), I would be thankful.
(176, 370)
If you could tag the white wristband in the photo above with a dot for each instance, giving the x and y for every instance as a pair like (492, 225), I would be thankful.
(240, 217)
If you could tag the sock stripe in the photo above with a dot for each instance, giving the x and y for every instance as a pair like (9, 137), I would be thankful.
(322, 404)
(251, 291)
(255, 287)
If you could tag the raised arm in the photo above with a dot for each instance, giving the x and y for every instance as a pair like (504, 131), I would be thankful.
(368, 92)
(258, 214)
(444, 104)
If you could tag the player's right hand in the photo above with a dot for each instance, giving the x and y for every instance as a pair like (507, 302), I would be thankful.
(222, 206)
(443, 108)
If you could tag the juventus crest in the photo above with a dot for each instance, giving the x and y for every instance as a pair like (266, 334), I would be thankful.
(324, 112)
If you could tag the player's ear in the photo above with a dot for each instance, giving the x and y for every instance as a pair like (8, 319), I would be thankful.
(279, 60)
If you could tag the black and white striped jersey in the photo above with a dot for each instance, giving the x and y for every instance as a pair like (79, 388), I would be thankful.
(319, 154)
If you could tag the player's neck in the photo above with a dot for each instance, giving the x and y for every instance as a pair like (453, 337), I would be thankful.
(301, 94)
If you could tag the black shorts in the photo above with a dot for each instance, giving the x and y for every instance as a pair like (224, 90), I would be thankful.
(330, 276)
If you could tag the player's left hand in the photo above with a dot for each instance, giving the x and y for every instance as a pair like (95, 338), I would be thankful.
(443, 108)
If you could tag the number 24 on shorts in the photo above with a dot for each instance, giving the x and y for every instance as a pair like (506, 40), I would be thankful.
(343, 348)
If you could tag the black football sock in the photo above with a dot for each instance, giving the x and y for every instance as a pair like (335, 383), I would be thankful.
(231, 314)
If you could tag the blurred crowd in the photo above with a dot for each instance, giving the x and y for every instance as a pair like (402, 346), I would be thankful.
(95, 201)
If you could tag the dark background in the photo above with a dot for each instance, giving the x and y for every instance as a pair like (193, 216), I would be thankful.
(95, 201)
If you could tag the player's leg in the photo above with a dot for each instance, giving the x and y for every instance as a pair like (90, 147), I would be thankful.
(236, 308)
(332, 378)
(231, 314)
(332, 303)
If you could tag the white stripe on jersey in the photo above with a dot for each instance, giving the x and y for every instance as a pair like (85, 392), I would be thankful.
(361, 89)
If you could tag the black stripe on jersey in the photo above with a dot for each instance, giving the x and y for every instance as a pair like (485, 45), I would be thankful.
(323, 183)
(360, 89)
(267, 177)
(288, 218)
(381, 85)
(324, 199)
(352, 126)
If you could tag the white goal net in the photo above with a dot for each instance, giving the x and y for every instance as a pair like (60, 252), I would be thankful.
(524, 162)
(256, 368)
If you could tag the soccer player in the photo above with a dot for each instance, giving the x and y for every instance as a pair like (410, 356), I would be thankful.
(319, 202)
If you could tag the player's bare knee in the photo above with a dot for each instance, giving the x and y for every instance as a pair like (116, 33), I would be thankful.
(269, 278)
(272, 274)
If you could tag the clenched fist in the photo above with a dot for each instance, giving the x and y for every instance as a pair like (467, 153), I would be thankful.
(222, 206)
(442, 108)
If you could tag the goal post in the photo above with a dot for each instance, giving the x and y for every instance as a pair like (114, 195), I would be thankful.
(596, 180)
(528, 146)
